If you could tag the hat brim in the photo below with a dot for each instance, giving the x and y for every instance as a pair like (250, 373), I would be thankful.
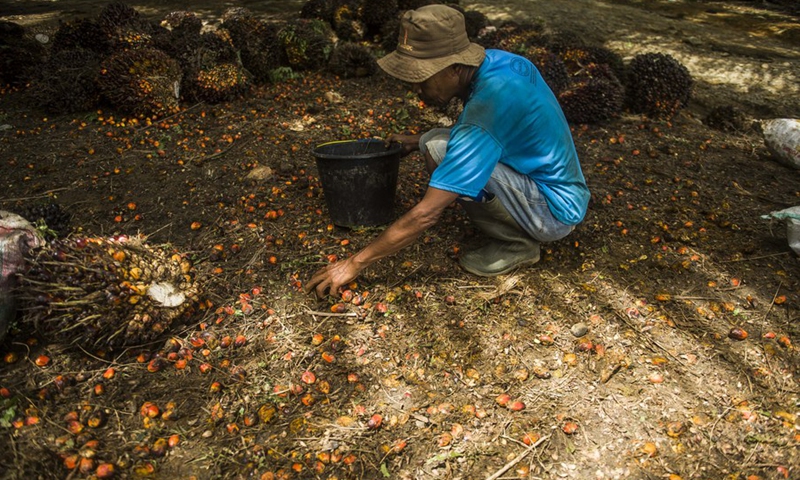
(415, 70)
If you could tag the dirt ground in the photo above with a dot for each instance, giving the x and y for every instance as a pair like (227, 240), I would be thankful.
(671, 258)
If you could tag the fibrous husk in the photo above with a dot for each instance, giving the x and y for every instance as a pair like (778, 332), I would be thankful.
(308, 44)
(97, 291)
(141, 82)
(657, 85)
(352, 60)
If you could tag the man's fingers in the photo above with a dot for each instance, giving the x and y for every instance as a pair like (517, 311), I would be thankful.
(316, 280)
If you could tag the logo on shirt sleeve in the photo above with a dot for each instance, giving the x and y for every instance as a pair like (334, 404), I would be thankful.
(523, 68)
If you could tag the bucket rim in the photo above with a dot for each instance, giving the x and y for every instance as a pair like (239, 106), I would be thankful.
(392, 149)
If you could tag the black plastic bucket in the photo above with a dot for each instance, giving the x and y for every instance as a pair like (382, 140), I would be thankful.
(359, 180)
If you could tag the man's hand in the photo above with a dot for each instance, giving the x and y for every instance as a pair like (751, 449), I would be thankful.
(400, 234)
(328, 279)
(409, 143)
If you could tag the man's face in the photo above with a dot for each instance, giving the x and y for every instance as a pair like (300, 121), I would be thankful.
(439, 89)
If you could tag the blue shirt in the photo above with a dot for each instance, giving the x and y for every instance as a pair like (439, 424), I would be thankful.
(513, 117)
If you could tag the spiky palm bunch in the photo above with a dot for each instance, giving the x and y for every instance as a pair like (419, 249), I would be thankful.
(83, 34)
(352, 60)
(514, 37)
(105, 292)
(657, 85)
(347, 21)
(376, 13)
(257, 43)
(551, 67)
(183, 21)
(141, 82)
(321, 9)
(66, 83)
(218, 83)
(20, 56)
(307, 43)
(594, 96)
(474, 22)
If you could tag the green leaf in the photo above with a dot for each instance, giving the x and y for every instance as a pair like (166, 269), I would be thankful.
(385, 471)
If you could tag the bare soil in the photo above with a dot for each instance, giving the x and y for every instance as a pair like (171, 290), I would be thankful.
(673, 256)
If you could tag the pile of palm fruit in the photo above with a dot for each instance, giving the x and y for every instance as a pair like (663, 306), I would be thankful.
(147, 68)
(105, 292)
(591, 82)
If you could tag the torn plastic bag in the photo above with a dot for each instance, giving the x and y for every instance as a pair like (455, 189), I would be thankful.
(792, 217)
(17, 236)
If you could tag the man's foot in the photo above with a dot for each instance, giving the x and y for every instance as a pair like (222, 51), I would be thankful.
(499, 257)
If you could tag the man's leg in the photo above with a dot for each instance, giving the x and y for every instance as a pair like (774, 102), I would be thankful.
(510, 246)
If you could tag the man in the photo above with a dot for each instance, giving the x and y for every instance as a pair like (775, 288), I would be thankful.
(509, 159)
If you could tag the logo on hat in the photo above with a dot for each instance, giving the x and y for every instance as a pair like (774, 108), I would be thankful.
(405, 45)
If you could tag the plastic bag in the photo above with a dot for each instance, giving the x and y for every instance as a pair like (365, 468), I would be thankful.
(792, 217)
(17, 236)
(782, 137)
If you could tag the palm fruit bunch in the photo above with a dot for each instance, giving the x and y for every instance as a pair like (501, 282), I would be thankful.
(84, 34)
(347, 21)
(125, 27)
(593, 96)
(197, 51)
(321, 9)
(307, 44)
(219, 83)
(513, 37)
(376, 13)
(415, 4)
(105, 292)
(117, 14)
(727, 118)
(66, 83)
(20, 55)
(49, 218)
(130, 38)
(350, 60)
(257, 43)
(550, 66)
(141, 82)
(474, 22)
(183, 22)
(578, 57)
(389, 34)
(657, 85)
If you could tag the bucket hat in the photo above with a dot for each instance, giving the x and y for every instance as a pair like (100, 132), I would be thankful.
(431, 39)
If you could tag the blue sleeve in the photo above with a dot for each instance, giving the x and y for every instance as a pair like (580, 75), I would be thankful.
(472, 154)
